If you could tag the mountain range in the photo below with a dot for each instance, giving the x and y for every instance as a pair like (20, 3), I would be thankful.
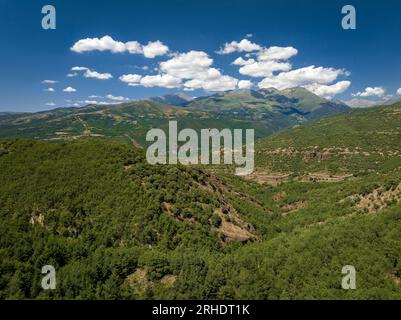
(368, 103)
(265, 110)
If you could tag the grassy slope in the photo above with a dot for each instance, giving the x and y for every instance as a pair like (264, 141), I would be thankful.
(358, 142)
(127, 122)
(296, 103)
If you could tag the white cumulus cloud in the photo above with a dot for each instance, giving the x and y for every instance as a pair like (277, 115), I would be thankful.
(116, 98)
(190, 70)
(370, 92)
(50, 90)
(244, 84)
(243, 45)
(302, 77)
(164, 80)
(69, 89)
(92, 73)
(273, 64)
(187, 65)
(269, 60)
(133, 47)
(277, 53)
(154, 49)
(98, 102)
(216, 83)
(107, 43)
(97, 75)
(131, 78)
(399, 91)
(195, 68)
(242, 62)
(264, 68)
(159, 80)
(79, 68)
(328, 91)
(49, 81)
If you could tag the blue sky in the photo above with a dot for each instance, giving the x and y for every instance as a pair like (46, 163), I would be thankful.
(159, 47)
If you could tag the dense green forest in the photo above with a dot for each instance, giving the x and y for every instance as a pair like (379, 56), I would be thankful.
(324, 195)
(115, 227)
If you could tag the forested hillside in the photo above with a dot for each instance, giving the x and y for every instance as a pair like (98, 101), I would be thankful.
(115, 227)
(99, 213)
(355, 143)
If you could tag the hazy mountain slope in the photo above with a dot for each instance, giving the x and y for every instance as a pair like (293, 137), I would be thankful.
(10, 115)
(369, 103)
(178, 99)
(392, 100)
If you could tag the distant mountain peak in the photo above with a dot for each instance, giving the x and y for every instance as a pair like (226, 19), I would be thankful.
(296, 102)
(178, 99)
(269, 90)
(299, 91)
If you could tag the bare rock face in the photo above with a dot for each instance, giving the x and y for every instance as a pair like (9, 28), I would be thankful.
(321, 156)
(309, 155)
